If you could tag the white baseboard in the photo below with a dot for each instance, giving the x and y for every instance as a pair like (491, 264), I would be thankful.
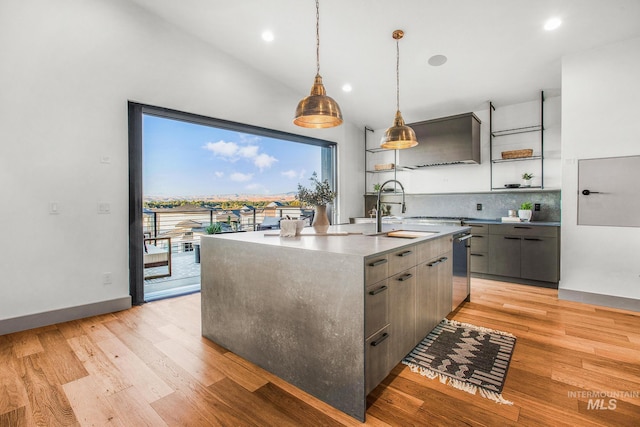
(599, 299)
(31, 321)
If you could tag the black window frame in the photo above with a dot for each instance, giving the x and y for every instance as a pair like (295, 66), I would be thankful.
(136, 111)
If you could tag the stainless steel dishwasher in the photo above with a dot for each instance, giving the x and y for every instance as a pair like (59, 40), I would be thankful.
(461, 277)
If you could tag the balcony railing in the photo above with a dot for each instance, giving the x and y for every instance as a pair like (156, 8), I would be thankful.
(177, 232)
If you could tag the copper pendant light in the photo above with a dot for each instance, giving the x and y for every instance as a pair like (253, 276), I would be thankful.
(318, 110)
(398, 136)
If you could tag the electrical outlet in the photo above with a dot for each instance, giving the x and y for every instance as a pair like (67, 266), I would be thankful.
(536, 207)
(107, 279)
(478, 206)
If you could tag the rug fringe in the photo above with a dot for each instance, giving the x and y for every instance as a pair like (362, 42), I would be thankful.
(460, 385)
(496, 397)
(478, 328)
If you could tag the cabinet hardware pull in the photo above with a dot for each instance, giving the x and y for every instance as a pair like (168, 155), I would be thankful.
(512, 238)
(377, 291)
(519, 226)
(475, 225)
(405, 253)
(443, 259)
(532, 239)
(377, 263)
(431, 264)
(405, 277)
(378, 341)
(476, 254)
(479, 237)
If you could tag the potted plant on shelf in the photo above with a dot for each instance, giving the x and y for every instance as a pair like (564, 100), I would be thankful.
(524, 213)
(318, 197)
(526, 179)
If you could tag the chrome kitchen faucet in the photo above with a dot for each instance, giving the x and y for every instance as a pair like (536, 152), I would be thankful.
(379, 210)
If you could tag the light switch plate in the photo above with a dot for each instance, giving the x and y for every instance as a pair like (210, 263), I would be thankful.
(54, 208)
(104, 208)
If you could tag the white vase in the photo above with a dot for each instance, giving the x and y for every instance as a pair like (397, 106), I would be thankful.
(526, 183)
(320, 220)
(525, 215)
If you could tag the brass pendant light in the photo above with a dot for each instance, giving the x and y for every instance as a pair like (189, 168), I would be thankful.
(398, 136)
(318, 110)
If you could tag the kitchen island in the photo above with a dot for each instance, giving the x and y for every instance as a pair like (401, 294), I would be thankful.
(331, 314)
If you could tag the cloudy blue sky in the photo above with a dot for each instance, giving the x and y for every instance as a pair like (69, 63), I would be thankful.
(185, 159)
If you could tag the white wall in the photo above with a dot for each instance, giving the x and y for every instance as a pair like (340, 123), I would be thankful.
(473, 178)
(600, 110)
(68, 69)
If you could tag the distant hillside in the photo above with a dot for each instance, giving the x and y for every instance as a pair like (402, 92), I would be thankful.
(222, 201)
(225, 197)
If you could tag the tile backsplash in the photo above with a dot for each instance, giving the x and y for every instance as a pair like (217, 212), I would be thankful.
(494, 205)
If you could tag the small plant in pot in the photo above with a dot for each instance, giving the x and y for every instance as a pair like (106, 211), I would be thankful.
(524, 213)
(526, 179)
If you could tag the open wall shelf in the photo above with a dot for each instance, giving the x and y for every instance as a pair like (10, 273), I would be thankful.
(494, 134)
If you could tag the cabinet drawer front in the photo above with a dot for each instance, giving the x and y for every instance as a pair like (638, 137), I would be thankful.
(433, 248)
(402, 259)
(479, 243)
(376, 307)
(377, 359)
(479, 263)
(523, 230)
(376, 269)
(478, 228)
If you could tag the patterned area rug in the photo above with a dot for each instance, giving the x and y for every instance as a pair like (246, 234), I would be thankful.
(465, 356)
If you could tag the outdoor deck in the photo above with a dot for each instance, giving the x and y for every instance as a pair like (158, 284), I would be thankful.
(184, 279)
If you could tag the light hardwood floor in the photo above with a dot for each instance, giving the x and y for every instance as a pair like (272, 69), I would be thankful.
(150, 366)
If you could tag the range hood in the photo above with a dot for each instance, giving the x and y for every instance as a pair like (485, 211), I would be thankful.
(449, 140)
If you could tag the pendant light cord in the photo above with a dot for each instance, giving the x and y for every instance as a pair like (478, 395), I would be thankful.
(397, 74)
(318, 37)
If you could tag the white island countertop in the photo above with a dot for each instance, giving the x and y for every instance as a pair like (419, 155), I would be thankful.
(348, 239)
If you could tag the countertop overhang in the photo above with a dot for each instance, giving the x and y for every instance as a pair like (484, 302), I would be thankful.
(361, 239)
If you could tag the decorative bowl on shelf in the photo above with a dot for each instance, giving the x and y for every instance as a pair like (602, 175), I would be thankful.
(512, 185)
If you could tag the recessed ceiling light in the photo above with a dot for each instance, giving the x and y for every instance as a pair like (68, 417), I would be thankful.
(347, 87)
(437, 60)
(267, 36)
(552, 24)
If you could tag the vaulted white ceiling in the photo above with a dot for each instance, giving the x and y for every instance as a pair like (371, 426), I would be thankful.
(497, 49)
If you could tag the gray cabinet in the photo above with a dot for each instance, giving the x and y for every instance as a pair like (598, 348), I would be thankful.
(505, 255)
(376, 306)
(479, 256)
(407, 293)
(402, 314)
(539, 258)
(426, 299)
(433, 292)
(445, 289)
(521, 251)
(377, 364)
